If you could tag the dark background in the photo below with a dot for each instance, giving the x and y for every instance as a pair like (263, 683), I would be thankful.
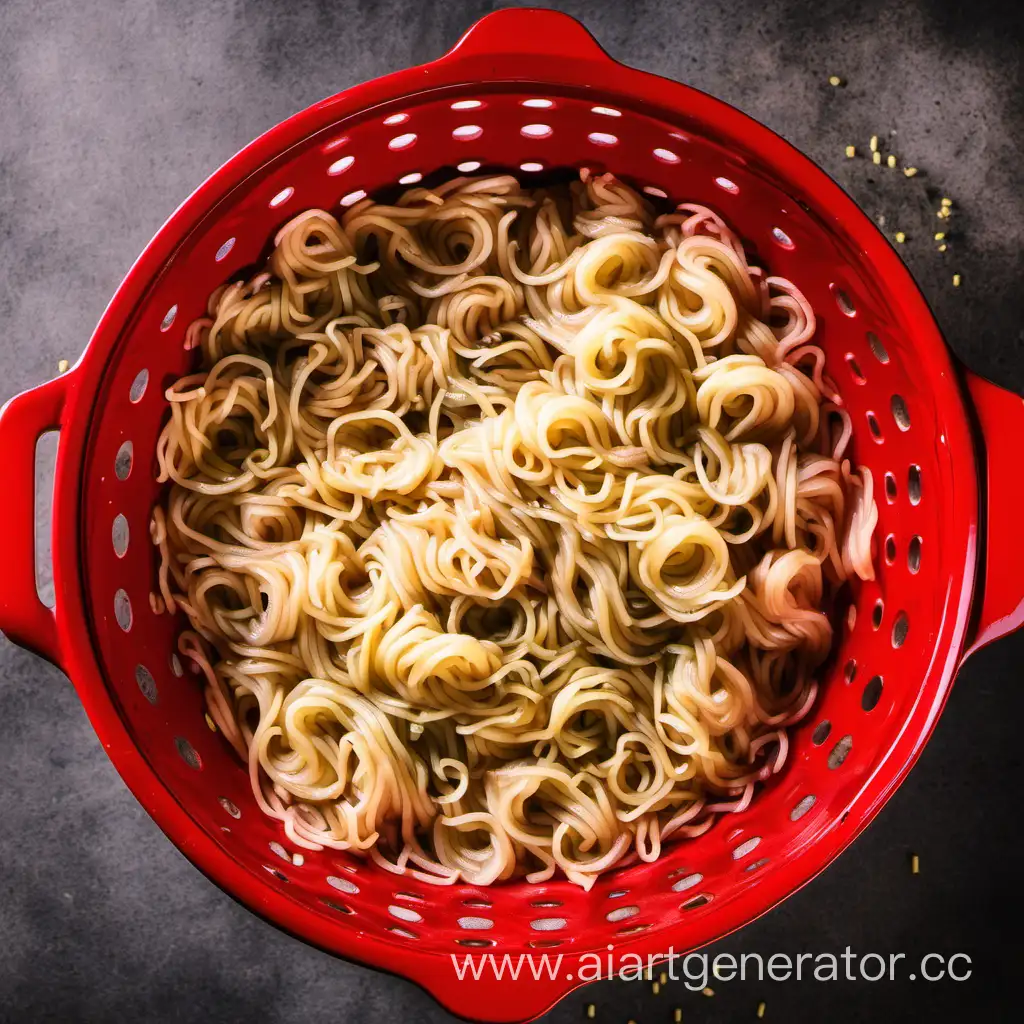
(110, 114)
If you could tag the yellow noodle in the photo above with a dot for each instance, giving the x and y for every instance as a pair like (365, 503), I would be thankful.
(507, 524)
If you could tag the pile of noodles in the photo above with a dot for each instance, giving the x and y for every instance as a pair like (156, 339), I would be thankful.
(508, 523)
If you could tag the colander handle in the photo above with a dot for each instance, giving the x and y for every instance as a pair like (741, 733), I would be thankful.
(999, 608)
(23, 616)
(526, 31)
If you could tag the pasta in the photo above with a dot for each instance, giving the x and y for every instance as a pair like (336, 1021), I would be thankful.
(508, 525)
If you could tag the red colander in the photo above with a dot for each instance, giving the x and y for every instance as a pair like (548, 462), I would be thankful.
(528, 91)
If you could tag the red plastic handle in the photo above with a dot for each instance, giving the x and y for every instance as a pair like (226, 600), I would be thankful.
(23, 617)
(1000, 417)
(536, 31)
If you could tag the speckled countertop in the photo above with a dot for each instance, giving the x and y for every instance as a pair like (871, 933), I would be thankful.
(110, 114)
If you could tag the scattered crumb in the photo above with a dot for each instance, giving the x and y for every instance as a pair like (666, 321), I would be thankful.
(940, 235)
(890, 161)
(835, 80)
(709, 991)
(655, 988)
(943, 213)
(943, 247)
(210, 724)
(677, 1016)
(946, 202)
(881, 220)
(851, 152)
(876, 157)
(910, 171)
(591, 1011)
(900, 237)
(956, 284)
(63, 366)
(874, 143)
(760, 1009)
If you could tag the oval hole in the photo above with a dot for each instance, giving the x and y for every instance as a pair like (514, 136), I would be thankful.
(658, 193)
(850, 672)
(914, 484)
(899, 629)
(224, 249)
(666, 156)
(744, 848)
(782, 238)
(688, 882)
(843, 301)
(875, 427)
(123, 461)
(467, 132)
(839, 752)
(851, 362)
(404, 913)
(146, 683)
(727, 184)
(531, 167)
(188, 753)
(475, 924)
(547, 924)
(890, 549)
(821, 732)
(341, 166)
(165, 324)
(138, 388)
(872, 693)
(538, 104)
(123, 610)
(802, 807)
(697, 901)
(536, 131)
(621, 914)
(606, 111)
(914, 554)
(339, 907)
(282, 197)
(400, 142)
(410, 179)
(229, 806)
(603, 139)
(890, 488)
(900, 413)
(467, 104)
(757, 864)
(469, 166)
(396, 119)
(119, 534)
(876, 613)
(476, 943)
(353, 197)
(877, 348)
(342, 884)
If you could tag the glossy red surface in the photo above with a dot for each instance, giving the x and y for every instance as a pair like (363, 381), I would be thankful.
(912, 623)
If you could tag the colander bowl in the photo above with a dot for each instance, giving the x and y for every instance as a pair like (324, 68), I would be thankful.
(528, 91)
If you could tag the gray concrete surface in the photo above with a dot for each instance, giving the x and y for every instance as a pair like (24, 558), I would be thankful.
(111, 113)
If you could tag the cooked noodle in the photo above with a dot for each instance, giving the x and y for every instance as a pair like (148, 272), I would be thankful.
(508, 524)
